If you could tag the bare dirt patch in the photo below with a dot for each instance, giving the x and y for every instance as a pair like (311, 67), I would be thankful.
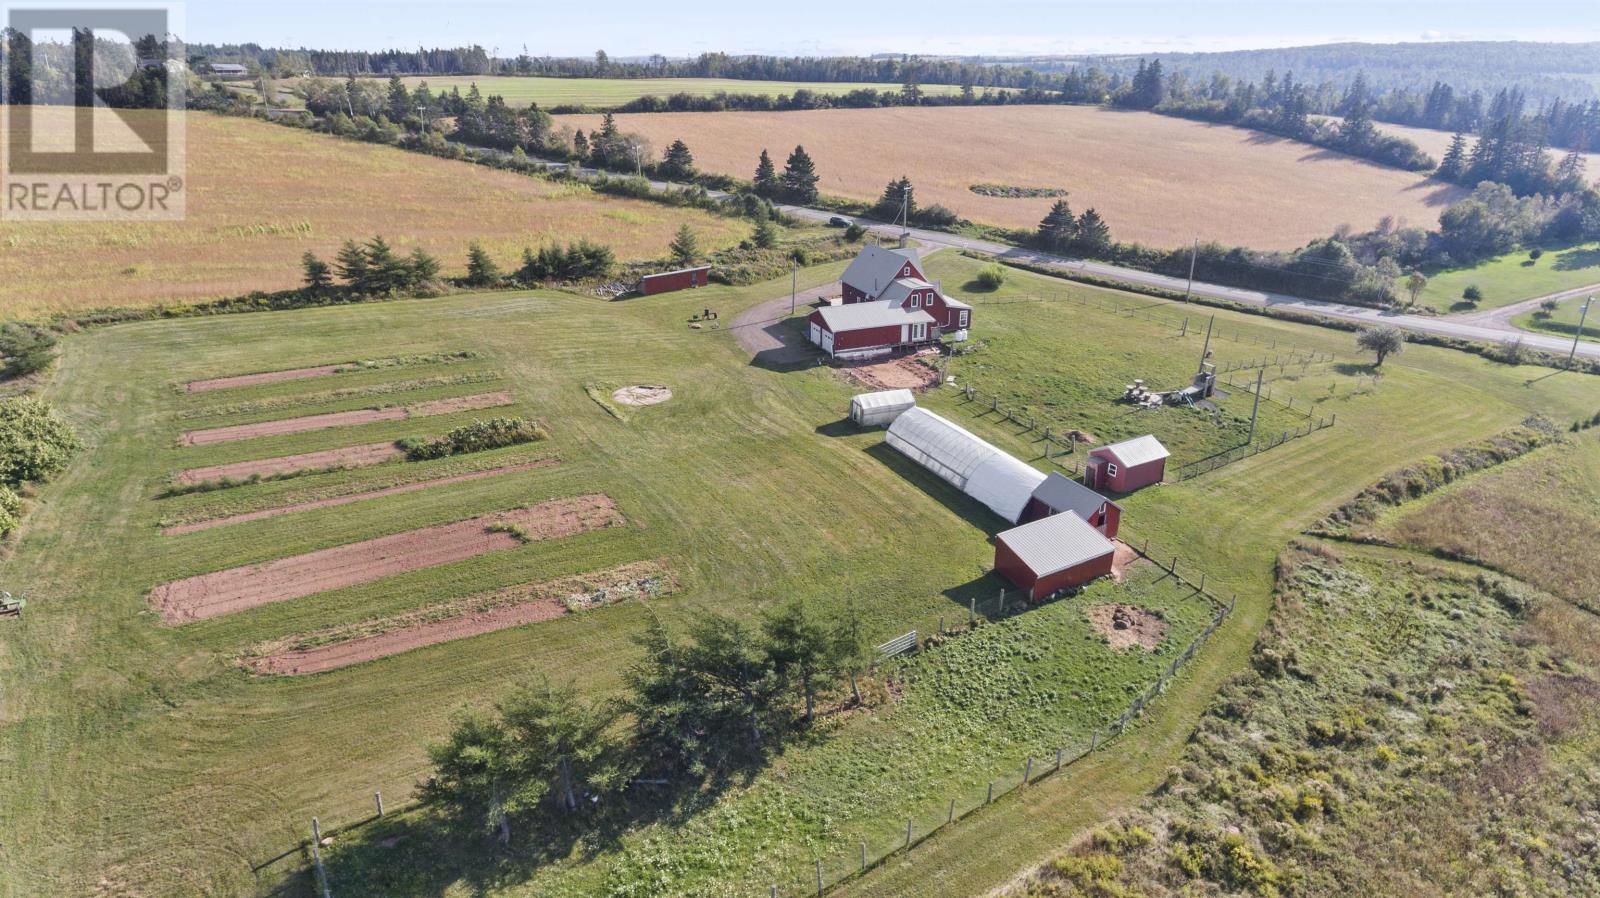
(178, 529)
(241, 588)
(459, 619)
(264, 377)
(1122, 559)
(895, 374)
(642, 394)
(1126, 626)
(305, 423)
(328, 459)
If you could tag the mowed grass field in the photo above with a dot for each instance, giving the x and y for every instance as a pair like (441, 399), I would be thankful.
(1514, 277)
(1564, 321)
(135, 757)
(1156, 179)
(520, 91)
(260, 195)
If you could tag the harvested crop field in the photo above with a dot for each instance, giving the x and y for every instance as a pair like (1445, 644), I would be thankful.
(264, 377)
(242, 588)
(1156, 179)
(179, 529)
(345, 457)
(459, 619)
(260, 195)
(344, 419)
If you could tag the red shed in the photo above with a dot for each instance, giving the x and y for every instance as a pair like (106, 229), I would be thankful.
(668, 281)
(867, 329)
(1051, 554)
(1059, 495)
(1126, 466)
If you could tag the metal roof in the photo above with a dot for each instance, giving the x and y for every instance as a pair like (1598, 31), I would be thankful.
(1051, 545)
(1064, 494)
(965, 461)
(662, 274)
(877, 266)
(862, 315)
(1137, 451)
(884, 399)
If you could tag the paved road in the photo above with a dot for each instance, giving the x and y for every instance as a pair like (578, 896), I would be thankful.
(1487, 330)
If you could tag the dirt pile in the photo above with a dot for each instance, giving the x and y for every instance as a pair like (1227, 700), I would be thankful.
(1126, 626)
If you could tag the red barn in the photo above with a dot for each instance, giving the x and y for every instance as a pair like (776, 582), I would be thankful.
(887, 305)
(1053, 553)
(868, 329)
(1126, 466)
(668, 281)
(1060, 495)
(874, 269)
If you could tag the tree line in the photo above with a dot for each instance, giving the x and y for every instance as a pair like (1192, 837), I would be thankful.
(718, 697)
(373, 268)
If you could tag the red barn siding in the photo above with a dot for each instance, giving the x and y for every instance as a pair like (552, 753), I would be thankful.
(668, 281)
(852, 295)
(1106, 520)
(1008, 565)
(1127, 479)
(867, 338)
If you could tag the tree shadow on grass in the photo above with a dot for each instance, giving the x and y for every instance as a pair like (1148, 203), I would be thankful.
(1356, 369)
(1577, 259)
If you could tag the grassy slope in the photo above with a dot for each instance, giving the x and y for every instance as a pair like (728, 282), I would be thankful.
(520, 91)
(176, 756)
(1514, 277)
(1564, 321)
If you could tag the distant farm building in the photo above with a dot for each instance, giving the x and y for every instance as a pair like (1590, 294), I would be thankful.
(1052, 553)
(228, 70)
(1061, 495)
(887, 305)
(668, 281)
(1126, 466)
(965, 461)
(880, 409)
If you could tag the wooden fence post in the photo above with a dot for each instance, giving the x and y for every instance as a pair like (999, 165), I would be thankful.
(990, 799)
(908, 833)
(377, 797)
(316, 855)
(1058, 758)
(863, 855)
(951, 817)
(819, 877)
(1027, 770)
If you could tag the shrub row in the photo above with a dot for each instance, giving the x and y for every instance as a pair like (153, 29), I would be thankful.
(479, 436)
(35, 445)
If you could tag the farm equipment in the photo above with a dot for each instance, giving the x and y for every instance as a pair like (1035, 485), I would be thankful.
(1204, 385)
(11, 607)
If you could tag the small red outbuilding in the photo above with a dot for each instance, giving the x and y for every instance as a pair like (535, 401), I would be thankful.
(1051, 554)
(1126, 466)
(668, 281)
(1060, 495)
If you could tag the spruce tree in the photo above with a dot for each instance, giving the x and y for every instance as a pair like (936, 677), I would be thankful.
(1454, 163)
(800, 178)
(399, 106)
(386, 272)
(766, 179)
(481, 269)
(685, 246)
(765, 234)
(351, 262)
(897, 197)
(318, 274)
(580, 147)
(1093, 235)
(423, 268)
(1059, 227)
(678, 162)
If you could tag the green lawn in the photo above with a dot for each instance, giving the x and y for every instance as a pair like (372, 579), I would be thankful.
(604, 92)
(1564, 321)
(1514, 277)
(137, 758)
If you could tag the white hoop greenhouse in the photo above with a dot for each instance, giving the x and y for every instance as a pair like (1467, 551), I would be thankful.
(965, 461)
(880, 408)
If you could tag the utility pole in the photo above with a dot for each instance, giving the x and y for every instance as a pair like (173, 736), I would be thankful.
(1194, 256)
(1255, 408)
(1583, 316)
(794, 283)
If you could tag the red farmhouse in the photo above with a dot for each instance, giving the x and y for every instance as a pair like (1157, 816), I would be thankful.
(1126, 466)
(668, 281)
(1051, 554)
(887, 304)
(1060, 495)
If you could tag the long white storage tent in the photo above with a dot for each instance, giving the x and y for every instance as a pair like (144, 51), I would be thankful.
(966, 461)
(880, 408)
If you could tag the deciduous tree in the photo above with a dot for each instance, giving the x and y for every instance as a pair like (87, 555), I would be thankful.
(1382, 341)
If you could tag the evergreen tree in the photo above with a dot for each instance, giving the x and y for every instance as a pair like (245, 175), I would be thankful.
(1059, 228)
(799, 648)
(911, 91)
(898, 197)
(481, 269)
(766, 179)
(580, 146)
(318, 275)
(1569, 174)
(424, 267)
(678, 162)
(685, 247)
(1093, 235)
(800, 178)
(399, 105)
(765, 234)
(351, 261)
(386, 272)
(1454, 164)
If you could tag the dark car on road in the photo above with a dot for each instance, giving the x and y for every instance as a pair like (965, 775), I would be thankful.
(839, 222)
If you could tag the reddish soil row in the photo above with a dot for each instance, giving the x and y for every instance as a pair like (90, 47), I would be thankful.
(347, 457)
(178, 529)
(343, 419)
(382, 645)
(265, 377)
(241, 588)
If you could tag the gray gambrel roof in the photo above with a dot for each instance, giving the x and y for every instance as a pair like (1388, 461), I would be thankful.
(1064, 494)
(861, 315)
(1053, 544)
(876, 267)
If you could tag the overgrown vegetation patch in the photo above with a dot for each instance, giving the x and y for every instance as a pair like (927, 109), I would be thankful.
(479, 436)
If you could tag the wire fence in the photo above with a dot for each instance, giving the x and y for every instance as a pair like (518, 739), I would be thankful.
(844, 862)
(1053, 436)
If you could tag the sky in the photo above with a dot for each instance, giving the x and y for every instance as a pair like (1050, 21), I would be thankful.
(933, 27)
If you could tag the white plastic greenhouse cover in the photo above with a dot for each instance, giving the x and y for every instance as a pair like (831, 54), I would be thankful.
(965, 461)
(881, 407)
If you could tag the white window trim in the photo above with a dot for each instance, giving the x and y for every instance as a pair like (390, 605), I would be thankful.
(1111, 469)
(964, 314)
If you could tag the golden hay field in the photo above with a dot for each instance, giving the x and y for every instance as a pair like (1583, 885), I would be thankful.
(1435, 143)
(1158, 180)
(263, 194)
